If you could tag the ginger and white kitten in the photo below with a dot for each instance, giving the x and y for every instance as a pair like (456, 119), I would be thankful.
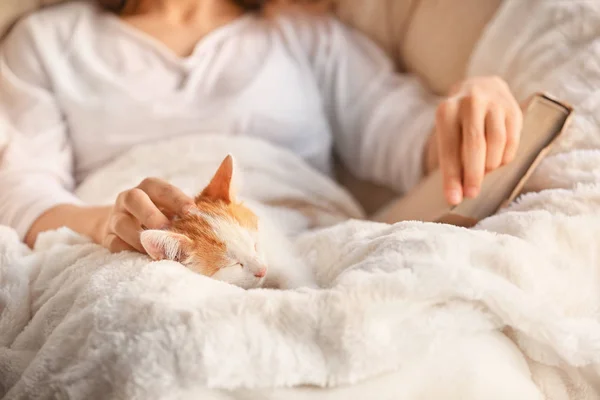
(227, 241)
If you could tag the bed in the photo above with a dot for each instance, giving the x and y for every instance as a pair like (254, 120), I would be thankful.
(508, 309)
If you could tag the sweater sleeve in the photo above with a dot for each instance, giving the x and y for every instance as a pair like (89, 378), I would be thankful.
(36, 164)
(381, 120)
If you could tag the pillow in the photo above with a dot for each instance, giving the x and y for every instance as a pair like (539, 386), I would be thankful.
(431, 38)
(11, 10)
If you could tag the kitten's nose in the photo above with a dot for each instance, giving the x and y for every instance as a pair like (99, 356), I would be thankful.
(261, 272)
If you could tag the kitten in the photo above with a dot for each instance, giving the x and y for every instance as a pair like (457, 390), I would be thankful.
(225, 240)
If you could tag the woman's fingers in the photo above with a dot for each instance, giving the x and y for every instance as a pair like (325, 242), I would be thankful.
(473, 114)
(115, 244)
(150, 197)
(478, 130)
(495, 134)
(449, 142)
(166, 196)
(146, 206)
(128, 229)
(138, 203)
(514, 125)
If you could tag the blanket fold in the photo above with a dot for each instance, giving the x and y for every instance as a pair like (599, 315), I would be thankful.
(508, 309)
(392, 296)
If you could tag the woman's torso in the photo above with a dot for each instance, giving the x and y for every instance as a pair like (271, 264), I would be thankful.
(119, 87)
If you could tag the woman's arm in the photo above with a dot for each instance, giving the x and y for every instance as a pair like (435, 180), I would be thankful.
(381, 120)
(36, 164)
(390, 129)
(88, 221)
(36, 168)
(118, 227)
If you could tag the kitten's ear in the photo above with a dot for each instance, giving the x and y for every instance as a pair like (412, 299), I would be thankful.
(220, 187)
(165, 245)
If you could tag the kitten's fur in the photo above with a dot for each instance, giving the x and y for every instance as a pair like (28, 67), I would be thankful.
(227, 241)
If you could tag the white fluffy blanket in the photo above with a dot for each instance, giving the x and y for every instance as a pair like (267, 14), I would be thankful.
(509, 309)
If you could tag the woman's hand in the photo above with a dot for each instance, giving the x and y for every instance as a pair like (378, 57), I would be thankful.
(147, 206)
(477, 130)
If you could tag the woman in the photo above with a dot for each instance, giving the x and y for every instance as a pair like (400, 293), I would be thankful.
(80, 84)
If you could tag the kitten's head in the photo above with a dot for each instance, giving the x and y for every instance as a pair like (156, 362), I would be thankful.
(220, 240)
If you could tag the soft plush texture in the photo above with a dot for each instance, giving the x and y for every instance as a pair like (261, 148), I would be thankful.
(412, 310)
(394, 297)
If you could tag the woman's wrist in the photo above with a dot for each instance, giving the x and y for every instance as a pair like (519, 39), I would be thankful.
(87, 221)
(98, 219)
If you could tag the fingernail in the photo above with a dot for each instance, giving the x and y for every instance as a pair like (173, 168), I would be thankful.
(454, 197)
